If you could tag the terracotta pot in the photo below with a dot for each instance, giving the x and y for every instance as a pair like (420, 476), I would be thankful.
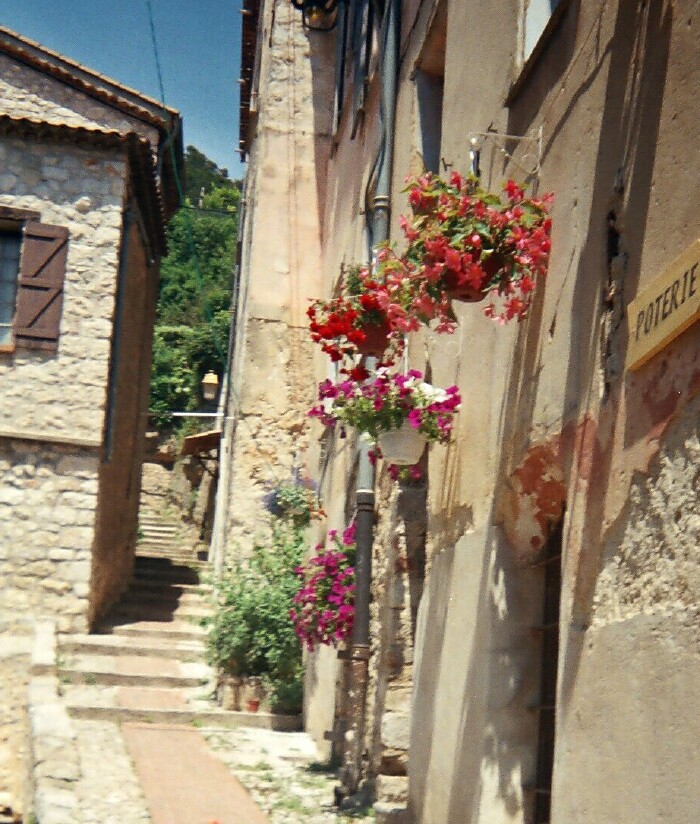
(493, 263)
(376, 340)
(403, 446)
(465, 292)
(253, 704)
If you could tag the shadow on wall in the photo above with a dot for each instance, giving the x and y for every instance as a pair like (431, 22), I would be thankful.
(477, 674)
(638, 54)
(478, 605)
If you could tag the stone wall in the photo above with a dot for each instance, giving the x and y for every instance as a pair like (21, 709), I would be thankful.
(15, 650)
(47, 517)
(272, 427)
(25, 92)
(62, 395)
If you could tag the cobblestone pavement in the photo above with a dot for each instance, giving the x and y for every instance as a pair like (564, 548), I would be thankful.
(108, 791)
(280, 772)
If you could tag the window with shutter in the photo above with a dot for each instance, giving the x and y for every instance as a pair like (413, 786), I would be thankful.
(40, 288)
(10, 244)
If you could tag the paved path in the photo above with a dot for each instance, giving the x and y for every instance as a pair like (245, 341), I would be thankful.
(135, 692)
(183, 782)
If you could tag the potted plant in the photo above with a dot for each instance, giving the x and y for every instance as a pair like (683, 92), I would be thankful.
(324, 606)
(400, 412)
(465, 243)
(295, 500)
(354, 322)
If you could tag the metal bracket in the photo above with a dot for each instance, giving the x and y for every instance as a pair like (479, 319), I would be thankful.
(476, 141)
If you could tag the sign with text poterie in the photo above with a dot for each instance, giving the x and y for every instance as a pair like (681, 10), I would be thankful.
(665, 308)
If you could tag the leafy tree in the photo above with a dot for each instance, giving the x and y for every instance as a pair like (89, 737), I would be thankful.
(192, 323)
(203, 173)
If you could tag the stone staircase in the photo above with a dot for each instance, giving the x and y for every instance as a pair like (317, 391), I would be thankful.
(146, 662)
(162, 537)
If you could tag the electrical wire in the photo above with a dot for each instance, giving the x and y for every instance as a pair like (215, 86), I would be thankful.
(170, 143)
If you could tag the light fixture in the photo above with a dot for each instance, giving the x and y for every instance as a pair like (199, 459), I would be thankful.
(210, 386)
(318, 15)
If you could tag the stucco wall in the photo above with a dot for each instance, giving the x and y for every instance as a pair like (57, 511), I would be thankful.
(550, 419)
(61, 395)
(279, 273)
(631, 683)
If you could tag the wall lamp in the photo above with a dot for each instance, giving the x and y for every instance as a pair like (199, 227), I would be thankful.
(210, 386)
(318, 15)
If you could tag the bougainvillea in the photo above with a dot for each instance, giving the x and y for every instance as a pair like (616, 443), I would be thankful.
(324, 607)
(463, 240)
(385, 401)
(355, 320)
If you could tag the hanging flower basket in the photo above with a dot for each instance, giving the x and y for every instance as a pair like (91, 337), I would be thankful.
(403, 446)
(355, 321)
(385, 404)
(376, 340)
(464, 243)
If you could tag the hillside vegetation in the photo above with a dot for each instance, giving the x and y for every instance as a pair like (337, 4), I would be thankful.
(193, 316)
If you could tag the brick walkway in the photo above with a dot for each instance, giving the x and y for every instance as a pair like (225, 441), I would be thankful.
(182, 781)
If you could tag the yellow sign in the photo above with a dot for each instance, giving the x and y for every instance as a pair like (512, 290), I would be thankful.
(667, 307)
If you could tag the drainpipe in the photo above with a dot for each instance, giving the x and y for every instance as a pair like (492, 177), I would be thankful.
(358, 654)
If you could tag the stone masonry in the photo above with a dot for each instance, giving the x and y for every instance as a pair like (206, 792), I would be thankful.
(62, 397)
(47, 506)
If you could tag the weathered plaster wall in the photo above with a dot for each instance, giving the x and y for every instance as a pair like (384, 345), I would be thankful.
(62, 395)
(280, 271)
(632, 679)
(559, 421)
(47, 520)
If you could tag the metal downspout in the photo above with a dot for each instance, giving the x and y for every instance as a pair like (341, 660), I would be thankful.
(360, 648)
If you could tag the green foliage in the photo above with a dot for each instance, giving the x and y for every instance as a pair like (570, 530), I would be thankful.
(192, 324)
(202, 173)
(250, 633)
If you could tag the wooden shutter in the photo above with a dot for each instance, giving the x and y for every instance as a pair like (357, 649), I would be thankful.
(40, 289)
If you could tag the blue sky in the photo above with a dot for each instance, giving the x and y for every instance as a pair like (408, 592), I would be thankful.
(199, 45)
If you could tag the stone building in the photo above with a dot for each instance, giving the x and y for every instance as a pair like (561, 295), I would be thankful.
(86, 184)
(534, 644)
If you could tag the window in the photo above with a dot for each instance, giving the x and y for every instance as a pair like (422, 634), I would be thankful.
(536, 16)
(430, 84)
(32, 271)
(10, 243)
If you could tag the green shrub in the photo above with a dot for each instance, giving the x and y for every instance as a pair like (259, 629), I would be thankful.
(250, 633)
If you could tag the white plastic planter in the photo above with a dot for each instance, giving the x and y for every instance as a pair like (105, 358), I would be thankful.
(403, 446)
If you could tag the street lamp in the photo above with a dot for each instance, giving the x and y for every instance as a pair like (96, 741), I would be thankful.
(210, 386)
(318, 15)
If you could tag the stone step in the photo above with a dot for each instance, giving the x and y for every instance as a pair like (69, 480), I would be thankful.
(155, 611)
(134, 670)
(154, 630)
(152, 583)
(166, 546)
(134, 704)
(165, 596)
(176, 558)
(167, 571)
(158, 527)
(146, 646)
